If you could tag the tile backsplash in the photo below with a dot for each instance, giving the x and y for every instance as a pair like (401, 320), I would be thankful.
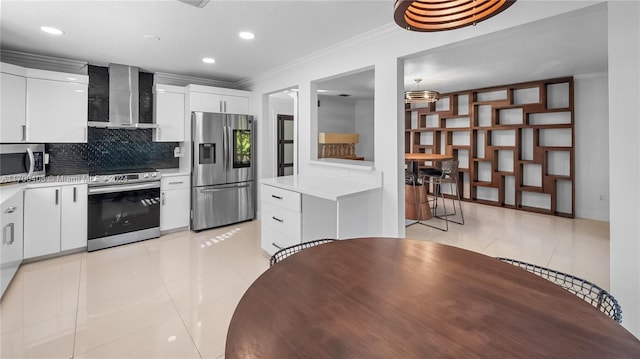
(111, 150)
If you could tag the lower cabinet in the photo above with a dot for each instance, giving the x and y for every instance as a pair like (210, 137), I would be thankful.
(281, 218)
(12, 239)
(174, 199)
(55, 219)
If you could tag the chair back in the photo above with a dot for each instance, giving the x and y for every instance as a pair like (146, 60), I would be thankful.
(587, 291)
(450, 168)
(286, 252)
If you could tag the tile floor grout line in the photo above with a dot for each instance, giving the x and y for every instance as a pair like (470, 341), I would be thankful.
(75, 326)
(164, 286)
(553, 252)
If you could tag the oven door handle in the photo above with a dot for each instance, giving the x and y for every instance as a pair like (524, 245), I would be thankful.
(123, 188)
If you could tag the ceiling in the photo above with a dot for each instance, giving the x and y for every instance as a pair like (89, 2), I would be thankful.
(103, 32)
(570, 44)
(113, 31)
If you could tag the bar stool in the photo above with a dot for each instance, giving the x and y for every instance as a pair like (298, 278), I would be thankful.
(411, 179)
(447, 174)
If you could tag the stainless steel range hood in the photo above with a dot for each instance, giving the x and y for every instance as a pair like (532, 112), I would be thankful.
(123, 99)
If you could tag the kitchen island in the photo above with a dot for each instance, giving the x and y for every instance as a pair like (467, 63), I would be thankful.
(297, 209)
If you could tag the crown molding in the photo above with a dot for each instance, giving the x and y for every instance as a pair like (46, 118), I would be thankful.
(331, 51)
(591, 75)
(43, 62)
(180, 80)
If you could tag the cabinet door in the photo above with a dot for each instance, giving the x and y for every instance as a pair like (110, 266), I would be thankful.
(174, 212)
(73, 218)
(205, 102)
(56, 111)
(12, 110)
(169, 115)
(12, 239)
(236, 104)
(42, 221)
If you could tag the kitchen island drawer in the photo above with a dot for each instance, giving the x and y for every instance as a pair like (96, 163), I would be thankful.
(281, 219)
(281, 197)
(272, 240)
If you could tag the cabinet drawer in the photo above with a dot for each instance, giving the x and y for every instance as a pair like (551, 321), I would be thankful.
(272, 240)
(175, 182)
(282, 220)
(281, 197)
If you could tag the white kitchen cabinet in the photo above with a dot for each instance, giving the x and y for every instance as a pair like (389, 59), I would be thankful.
(281, 218)
(297, 209)
(174, 209)
(169, 113)
(42, 221)
(215, 99)
(56, 106)
(13, 90)
(73, 217)
(55, 219)
(12, 238)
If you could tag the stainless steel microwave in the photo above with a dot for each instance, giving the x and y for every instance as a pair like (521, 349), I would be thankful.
(20, 162)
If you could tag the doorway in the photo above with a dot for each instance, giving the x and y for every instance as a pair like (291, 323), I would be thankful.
(285, 145)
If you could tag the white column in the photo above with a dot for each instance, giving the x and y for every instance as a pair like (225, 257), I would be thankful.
(624, 158)
(389, 142)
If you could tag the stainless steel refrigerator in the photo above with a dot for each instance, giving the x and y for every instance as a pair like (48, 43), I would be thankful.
(222, 173)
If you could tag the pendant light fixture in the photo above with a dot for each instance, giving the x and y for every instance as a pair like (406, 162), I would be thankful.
(440, 15)
(420, 96)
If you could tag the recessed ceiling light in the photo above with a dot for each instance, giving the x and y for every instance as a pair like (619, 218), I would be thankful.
(51, 30)
(208, 60)
(246, 35)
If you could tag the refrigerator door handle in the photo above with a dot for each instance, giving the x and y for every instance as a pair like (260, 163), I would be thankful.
(207, 190)
(227, 146)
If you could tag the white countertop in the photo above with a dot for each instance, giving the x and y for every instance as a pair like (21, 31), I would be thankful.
(172, 172)
(327, 188)
(8, 190)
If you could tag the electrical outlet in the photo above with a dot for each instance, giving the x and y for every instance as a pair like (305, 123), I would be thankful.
(344, 173)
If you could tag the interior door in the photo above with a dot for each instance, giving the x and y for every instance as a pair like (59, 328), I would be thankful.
(209, 153)
(240, 154)
(285, 145)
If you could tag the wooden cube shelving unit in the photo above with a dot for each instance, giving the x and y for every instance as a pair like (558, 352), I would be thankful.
(515, 143)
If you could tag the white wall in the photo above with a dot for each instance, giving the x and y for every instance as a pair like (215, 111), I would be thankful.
(624, 158)
(591, 113)
(336, 115)
(364, 52)
(364, 126)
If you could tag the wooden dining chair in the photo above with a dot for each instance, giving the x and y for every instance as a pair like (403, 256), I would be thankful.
(587, 291)
(286, 252)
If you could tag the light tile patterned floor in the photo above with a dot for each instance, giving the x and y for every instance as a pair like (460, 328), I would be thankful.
(173, 297)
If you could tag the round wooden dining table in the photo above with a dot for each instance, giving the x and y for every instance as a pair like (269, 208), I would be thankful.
(401, 298)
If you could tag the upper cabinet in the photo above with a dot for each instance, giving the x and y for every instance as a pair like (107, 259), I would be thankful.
(169, 113)
(56, 106)
(216, 99)
(13, 99)
(42, 106)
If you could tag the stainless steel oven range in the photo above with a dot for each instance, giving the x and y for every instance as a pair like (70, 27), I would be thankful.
(123, 208)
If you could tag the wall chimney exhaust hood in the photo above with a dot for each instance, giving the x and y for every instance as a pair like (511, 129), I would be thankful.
(123, 99)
